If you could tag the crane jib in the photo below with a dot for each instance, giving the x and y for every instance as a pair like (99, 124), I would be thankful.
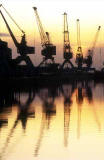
(22, 48)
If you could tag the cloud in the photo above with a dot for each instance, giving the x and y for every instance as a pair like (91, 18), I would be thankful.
(4, 35)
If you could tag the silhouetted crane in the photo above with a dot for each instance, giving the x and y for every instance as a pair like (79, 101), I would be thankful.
(67, 48)
(48, 48)
(88, 59)
(79, 55)
(22, 47)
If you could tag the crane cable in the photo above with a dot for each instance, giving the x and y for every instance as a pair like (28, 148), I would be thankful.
(12, 19)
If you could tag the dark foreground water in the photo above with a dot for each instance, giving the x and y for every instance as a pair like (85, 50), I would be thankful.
(58, 122)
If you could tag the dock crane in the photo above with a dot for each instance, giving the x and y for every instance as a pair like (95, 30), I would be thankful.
(22, 47)
(88, 58)
(67, 48)
(79, 55)
(49, 50)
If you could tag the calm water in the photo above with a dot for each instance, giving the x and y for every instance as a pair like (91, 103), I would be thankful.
(64, 122)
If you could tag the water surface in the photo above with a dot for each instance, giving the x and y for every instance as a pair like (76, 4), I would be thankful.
(57, 122)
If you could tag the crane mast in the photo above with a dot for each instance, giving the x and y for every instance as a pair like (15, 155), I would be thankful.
(79, 55)
(67, 48)
(43, 36)
(48, 48)
(78, 37)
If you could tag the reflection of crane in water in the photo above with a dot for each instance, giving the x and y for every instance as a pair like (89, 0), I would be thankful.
(85, 91)
(3, 122)
(89, 93)
(49, 110)
(42, 128)
(23, 115)
(79, 102)
(67, 91)
(96, 118)
(90, 98)
(48, 97)
(82, 91)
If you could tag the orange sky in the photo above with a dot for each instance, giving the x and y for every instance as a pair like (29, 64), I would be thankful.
(90, 13)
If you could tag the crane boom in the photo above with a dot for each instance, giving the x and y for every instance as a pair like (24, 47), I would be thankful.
(12, 19)
(95, 41)
(11, 33)
(88, 60)
(22, 47)
(43, 35)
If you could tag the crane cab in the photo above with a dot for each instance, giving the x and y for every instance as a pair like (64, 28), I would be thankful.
(49, 51)
(23, 49)
(88, 61)
(68, 55)
(79, 60)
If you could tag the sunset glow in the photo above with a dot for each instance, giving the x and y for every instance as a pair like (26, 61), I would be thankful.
(90, 13)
